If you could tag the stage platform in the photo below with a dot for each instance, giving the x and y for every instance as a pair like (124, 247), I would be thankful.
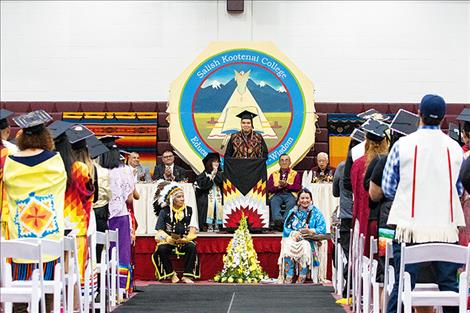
(211, 247)
(217, 298)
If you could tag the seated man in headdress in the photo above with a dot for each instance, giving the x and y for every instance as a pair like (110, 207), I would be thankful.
(176, 230)
(246, 144)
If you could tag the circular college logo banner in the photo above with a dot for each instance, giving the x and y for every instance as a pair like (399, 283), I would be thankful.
(228, 78)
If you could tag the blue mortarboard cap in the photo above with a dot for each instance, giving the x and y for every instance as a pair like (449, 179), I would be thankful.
(375, 130)
(405, 122)
(33, 122)
(433, 106)
(358, 135)
(4, 114)
(58, 128)
(95, 146)
(77, 133)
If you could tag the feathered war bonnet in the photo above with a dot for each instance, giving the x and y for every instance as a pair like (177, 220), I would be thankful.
(167, 194)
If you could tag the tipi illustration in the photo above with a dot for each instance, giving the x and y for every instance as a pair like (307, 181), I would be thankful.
(241, 100)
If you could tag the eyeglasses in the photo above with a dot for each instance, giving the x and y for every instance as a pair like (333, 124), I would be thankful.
(167, 156)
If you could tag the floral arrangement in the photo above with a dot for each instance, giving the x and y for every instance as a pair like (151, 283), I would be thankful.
(241, 263)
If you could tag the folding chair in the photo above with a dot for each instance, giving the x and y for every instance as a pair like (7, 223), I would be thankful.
(359, 260)
(429, 253)
(56, 287)
(89, 294)
(72, 275)
(350, 266)
(32, 294)
(102, 239)
(113, 257)
(389, 275)
(338, 271)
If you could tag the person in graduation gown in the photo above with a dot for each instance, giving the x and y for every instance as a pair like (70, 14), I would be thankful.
(5, 131)
(35, 180)
(376, 143)
(176, 231)
(78, 194)
(122, 185)
(209, 195)
(246, 144)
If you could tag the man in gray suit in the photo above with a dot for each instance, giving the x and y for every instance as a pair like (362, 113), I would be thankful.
(141, 173)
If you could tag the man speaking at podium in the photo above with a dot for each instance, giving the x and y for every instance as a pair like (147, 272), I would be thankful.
(245, 176)
(246, 144)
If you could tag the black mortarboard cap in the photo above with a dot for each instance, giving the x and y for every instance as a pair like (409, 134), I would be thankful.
(358, 135)
(95, 146)
(211, 155)
(373, 114)
(464, 116)
(246, 115)
(4, 114)
(405, 122)
(110, 141)
(58, 128)
(33, 122)
(454, 132)
(77, 133)
(375, 130)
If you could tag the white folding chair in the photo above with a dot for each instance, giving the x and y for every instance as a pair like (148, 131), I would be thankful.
(353, 263)
(113, 257)
(56, 287)
(389, 275)
(428, 253)
(359, 261)
(338, 271)
(89, 290)
(102, 239)
(350, 266)
(72, 275)
(32, 294)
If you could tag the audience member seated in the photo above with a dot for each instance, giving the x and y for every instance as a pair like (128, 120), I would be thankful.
(322, 173)
(176, 231)
(283, 186)
(141, 173)
(297, 247)
(35, 180)
(209, 194)
(169, 170)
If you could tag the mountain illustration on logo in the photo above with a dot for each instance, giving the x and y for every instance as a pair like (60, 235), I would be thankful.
(215, 96)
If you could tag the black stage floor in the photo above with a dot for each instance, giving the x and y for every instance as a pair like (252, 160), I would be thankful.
(232, 298)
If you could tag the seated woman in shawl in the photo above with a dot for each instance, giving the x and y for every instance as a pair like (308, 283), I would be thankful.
(209, 194)
(302, 222)
(176, 231)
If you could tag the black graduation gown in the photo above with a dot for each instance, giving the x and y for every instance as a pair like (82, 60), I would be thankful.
(204, 185)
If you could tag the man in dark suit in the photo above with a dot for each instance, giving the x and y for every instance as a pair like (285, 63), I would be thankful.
(169, 170)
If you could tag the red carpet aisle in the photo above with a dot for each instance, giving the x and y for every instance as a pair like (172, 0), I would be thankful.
(211, 250)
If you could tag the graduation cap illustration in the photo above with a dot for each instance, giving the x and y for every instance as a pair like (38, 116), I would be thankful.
(373, 114)
(375, 130)
(358, 135)
(405, 122)
(33, 122)
(95, 147)
(4, 115)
